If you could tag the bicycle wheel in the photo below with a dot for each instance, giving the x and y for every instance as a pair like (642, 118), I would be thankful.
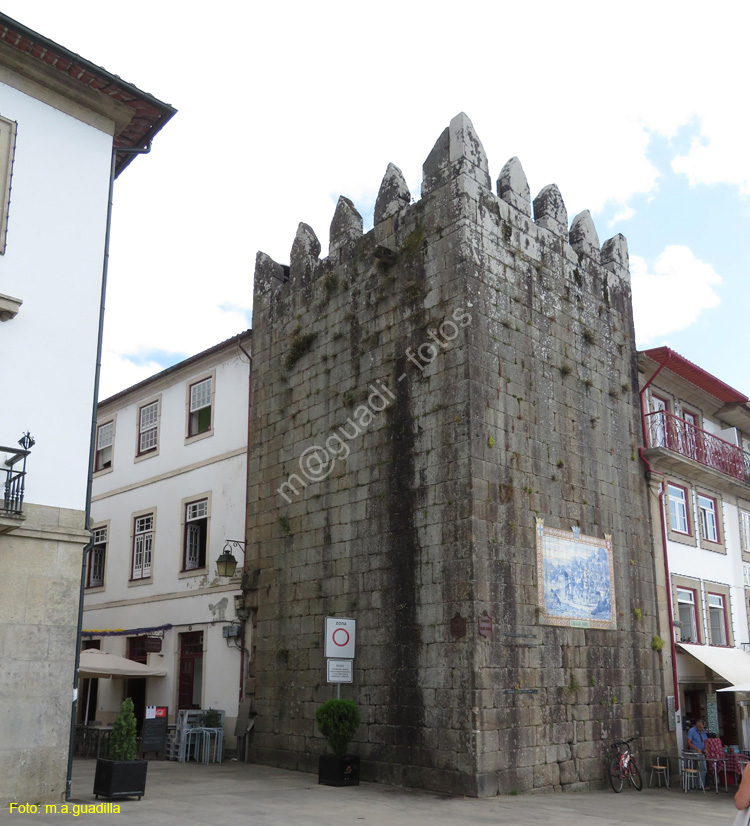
(615, 775)
(634, 775)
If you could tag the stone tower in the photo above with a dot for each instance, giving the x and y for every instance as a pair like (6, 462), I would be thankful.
(432, 403)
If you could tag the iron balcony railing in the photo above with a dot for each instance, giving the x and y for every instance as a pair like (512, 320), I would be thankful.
(15, 477)
(667, 430)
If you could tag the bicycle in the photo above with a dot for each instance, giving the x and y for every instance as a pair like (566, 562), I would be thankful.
(623, 765)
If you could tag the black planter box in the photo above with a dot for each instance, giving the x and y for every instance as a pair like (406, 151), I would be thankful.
(338, 771)
(120, 778)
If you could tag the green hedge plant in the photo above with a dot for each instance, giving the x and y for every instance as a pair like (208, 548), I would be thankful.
(338, 721)
(122, 743)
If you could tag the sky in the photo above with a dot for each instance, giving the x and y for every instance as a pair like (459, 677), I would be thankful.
(637, 111)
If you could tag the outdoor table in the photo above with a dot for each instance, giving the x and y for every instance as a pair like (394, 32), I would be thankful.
(217, 734)
(98, 736)
(101, 735)
(736, 763)
(193, 739)
(714, 752)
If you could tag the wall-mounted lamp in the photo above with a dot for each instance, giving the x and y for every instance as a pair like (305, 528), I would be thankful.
(226, 564)
(240, 611)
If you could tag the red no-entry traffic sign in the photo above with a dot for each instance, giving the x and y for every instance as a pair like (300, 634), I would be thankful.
(340, 634)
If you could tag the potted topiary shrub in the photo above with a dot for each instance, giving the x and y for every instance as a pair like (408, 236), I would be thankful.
(121, 774)
(337, 721)
(211, 718)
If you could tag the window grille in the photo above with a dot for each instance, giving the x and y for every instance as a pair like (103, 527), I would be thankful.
(149, 427)
(200, 395)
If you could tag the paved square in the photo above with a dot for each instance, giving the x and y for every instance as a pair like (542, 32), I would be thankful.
(235, 793)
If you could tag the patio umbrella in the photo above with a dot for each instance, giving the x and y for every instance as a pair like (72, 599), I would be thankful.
(740, 687)
(95, 663)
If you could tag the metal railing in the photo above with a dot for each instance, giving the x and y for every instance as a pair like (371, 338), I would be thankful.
(669, 431)
(15, 479)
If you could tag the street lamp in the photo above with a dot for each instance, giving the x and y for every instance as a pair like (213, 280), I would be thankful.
(226, 564)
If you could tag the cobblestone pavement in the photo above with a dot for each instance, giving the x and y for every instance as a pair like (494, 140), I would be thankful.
(234, 793)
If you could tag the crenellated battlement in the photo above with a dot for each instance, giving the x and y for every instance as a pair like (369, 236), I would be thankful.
(457, 160)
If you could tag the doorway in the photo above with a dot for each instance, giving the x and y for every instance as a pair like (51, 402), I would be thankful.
(191, 670)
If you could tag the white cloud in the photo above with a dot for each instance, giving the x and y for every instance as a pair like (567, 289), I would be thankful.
(624, 214)
(245, 160)
(718, 156)
(673, 295)
(119, 372)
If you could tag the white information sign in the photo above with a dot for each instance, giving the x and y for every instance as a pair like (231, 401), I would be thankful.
(340, 638)
(340, 671)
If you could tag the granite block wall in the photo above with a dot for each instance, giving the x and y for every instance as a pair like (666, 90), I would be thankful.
(421, 396)
(40, 576)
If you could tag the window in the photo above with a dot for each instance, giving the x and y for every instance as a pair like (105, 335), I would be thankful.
(148, 428)
(687, 615)
(199, 420)
(137, 650)
(678, 509)
(196, 532)
(690, 435)
(104, 436)
(7, 152)
(659, 407)
(143, 544)
(707, 511)
(717, 619)
(97, 556)
(745, 529)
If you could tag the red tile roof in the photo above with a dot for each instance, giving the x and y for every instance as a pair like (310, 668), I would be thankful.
(150, 114)
(680, 366)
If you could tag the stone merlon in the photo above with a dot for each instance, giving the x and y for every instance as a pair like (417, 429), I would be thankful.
(393, 194)
(583, 237)
(305, 254)
(513, 188)
(346, 225)
(550, 211)
(268, 274)
(615, 256)
(458, 150)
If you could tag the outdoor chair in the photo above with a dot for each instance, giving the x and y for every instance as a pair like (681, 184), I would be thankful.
(690, 773)
(659, 767)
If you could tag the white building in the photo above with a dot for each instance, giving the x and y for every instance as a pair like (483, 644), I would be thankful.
(169, 491)
(60, 117)
(696, 431)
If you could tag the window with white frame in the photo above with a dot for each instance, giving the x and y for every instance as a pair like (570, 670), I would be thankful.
(97, 557)
(688, 615)
(745, 529)
(707, 510)
(678, 509)
(717, 619)
(196, 533)
(148, 428)
(143, 545)
(104, 437)
(200, 407)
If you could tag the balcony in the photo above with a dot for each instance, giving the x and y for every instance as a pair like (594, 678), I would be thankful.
(688, 444)
(13, 469)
